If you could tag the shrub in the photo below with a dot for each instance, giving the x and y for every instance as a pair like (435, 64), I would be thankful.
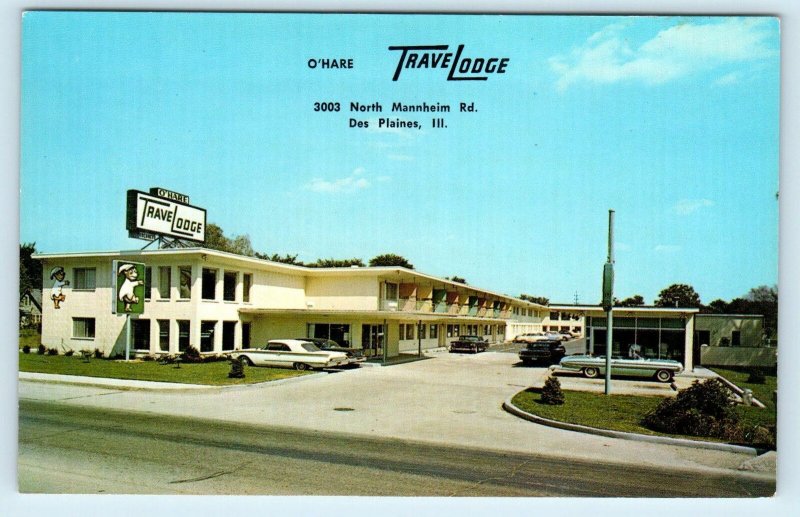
(166, 359)
(703, 409)
(98, 354)
(69, 353)
(41, 350)
(148, 357)
(26, 349)
(551, 392)
(756, 376)
(52, 351)
(237, 369)
(191, 355)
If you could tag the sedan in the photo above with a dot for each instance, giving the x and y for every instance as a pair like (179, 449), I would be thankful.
(292, 353)
(662, 370)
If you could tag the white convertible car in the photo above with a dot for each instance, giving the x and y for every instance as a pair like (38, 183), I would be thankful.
(662, 370)
(291, 353)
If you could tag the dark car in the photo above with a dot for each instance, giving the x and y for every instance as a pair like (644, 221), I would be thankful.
(472, 344)
(550, 351)
(329, 345)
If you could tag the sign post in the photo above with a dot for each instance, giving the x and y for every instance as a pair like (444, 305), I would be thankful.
(129, 278)
(608, 299)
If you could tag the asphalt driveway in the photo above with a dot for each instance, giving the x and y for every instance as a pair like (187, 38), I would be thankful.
(452, 398)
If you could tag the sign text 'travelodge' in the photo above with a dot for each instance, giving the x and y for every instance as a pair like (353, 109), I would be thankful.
(461, 68)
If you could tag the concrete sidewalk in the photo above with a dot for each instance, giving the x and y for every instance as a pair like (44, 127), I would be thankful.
(453, 399)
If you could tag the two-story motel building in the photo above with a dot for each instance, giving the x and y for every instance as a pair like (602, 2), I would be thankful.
(219, 302)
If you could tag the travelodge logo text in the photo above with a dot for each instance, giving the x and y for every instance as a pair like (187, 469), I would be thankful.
(461, 67)
(164, 216)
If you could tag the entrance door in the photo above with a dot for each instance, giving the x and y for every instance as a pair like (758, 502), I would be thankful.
(372, 337)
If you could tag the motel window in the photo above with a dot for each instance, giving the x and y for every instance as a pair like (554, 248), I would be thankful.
(229, 285)
(163, 335)
(207, 335)
(140, 334)
(410, 331)
(209, 283)
(422, 331)
(164, 282)
(148, 282)
(185, 287)
(84, 278)
(228, 333)
(456, 329)
(184, 333)
(434, 331)
(391, 291)
(449, 330)
(83, 328)
(246, 335)
(247, 281)
(553, 316)
(486, 330)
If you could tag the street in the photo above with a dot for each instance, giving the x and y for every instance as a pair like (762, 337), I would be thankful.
(94, 450)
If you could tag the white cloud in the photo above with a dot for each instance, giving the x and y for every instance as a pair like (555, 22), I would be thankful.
(621, 246)
(667, 248)
(727, 79)
(690, 206)
(355, 181)
(607, 56)
(400, 157)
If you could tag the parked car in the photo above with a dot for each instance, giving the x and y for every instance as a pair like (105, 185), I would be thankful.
(565, 335)
(530, 337)
(473, 344)
(354, 355)
(554, 335)
(548, 350)
(662, 370)
(291, 353)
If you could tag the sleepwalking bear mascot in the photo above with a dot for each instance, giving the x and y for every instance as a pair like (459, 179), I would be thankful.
(126, 294)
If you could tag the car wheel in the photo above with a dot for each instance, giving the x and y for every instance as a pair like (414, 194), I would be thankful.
(300, 366)
(246, 360)
(591, 373)
(664, 376)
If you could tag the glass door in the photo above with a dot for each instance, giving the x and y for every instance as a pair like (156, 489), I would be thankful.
(372, 337)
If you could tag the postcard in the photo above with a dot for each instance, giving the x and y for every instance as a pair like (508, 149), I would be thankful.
(440, 255)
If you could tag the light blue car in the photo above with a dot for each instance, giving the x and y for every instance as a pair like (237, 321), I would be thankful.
(662, 370)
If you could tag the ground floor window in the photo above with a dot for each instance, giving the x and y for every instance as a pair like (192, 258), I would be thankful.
(83, 328)
(163, 335)
(140, 334)
(184, 335)
(228, 334)
(207, 335)
(246, 335)
(421, 330)
(450, 331)
(339, 332)
(372, 340)
(434, 331)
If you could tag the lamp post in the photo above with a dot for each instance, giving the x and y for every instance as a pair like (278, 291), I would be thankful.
(608, 298)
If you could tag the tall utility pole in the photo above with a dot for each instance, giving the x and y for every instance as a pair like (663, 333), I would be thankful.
(608, 299)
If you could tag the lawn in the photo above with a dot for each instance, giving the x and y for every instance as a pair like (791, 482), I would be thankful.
(215, 373)
(619, 412)
(763, 392)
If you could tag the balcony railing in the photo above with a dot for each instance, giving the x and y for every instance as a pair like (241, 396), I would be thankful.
(442, 307)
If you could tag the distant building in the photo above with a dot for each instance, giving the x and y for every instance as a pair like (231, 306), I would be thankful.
(30, 308)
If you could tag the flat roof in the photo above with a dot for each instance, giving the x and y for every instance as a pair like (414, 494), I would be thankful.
(283, 267)
(642, 308)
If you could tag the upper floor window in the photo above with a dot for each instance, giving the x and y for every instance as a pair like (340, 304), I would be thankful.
(185, 287)
(84, 278)
(164, 281)
(391, 291)
(247, 282)
(229, 285)
(209, 284)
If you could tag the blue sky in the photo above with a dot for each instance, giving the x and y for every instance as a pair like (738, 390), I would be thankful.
(671, 121)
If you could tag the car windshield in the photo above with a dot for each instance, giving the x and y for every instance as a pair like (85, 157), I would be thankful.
(310, 347)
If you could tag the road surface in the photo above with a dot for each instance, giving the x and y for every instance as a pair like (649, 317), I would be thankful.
(64, 449)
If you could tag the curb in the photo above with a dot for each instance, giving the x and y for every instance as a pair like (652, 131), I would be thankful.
(664, 440)
(134, 385)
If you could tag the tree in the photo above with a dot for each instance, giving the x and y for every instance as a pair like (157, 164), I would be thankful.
(337, 263)
(678, 295)
(390, 259)
(285, 259)
(718, 306)
(636, 300)
(541, 300)
(216, 240)
(30, 269)
(456, 279)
